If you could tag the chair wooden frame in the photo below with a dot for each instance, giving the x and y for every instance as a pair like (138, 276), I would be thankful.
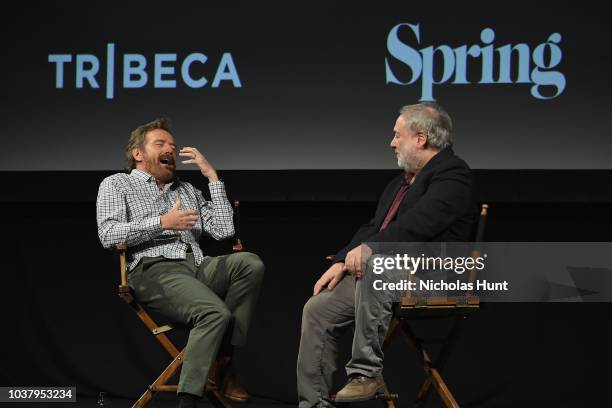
(160, 384)
(457, 307)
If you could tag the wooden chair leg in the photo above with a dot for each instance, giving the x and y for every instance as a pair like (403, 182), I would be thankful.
(390, 399)
(443, 390)
(144, 399)
(160, 383)
(440, 360)
(431, 369)
(215, 397)
(423, 392)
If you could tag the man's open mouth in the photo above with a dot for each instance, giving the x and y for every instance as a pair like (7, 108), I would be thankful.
(167, 161)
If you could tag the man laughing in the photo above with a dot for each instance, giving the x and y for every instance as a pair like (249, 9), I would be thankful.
(161, 219)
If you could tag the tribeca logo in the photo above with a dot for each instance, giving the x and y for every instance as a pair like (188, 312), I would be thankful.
(455, 61)
(135, 73)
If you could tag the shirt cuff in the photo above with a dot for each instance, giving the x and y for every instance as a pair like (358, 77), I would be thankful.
(217, 189)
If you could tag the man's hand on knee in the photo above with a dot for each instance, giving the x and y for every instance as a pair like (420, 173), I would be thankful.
(330, 278)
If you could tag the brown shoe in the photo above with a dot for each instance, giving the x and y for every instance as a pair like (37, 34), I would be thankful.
(232, 388)
(223, 377)
(360, 388)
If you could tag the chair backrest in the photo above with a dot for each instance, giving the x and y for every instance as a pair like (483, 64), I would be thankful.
(468, 300)
(124, 289)
(479, 238)
(238, 246)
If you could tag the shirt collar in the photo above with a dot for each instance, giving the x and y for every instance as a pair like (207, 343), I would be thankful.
(143, 175)
(409, 177)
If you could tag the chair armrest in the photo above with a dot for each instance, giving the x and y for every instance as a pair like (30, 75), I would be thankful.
(125, 293)
(237, 247)
(121, 249)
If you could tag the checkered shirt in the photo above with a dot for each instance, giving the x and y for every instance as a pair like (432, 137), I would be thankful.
(129, 207)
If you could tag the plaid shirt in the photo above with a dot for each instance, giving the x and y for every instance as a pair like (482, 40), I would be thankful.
(129, 207)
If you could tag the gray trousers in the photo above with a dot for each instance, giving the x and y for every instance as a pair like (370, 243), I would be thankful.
(220, 291)
(325, 318)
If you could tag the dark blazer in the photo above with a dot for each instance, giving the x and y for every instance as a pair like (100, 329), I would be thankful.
(438, 206)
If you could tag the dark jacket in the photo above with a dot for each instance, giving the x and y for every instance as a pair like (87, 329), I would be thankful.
(438, 206)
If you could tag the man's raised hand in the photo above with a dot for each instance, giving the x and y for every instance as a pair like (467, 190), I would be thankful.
(194, 156)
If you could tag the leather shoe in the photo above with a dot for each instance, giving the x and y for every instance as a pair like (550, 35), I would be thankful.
(222, 376)
(360, 388)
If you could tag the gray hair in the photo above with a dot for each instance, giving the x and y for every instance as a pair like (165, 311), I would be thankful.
(431, 119)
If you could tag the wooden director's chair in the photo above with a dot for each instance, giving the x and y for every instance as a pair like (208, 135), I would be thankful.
(456, 307)
(412, 308)
(211, 392)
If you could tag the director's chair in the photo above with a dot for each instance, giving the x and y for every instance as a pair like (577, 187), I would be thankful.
(413, 308)
(212, 392)
(420, 308)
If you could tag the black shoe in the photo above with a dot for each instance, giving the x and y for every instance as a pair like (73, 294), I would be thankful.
(188, 400)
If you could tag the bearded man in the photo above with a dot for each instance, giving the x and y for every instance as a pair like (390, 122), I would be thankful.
(161, 219)
(429, 201)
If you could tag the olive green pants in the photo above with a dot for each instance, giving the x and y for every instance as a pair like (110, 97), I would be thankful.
(222, 290)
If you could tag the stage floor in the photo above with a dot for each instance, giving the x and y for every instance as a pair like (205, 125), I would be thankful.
(123, 403)
(166, 403)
